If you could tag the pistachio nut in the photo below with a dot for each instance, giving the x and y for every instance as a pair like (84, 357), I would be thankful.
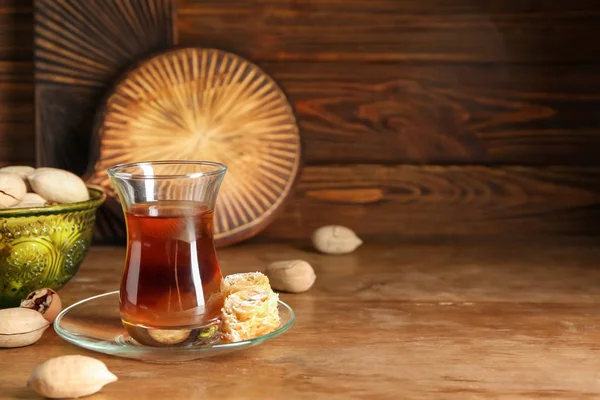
(335, 239)
(12, 189)
(294, 276)
(70, 376)
(58, 186)
(21, 327)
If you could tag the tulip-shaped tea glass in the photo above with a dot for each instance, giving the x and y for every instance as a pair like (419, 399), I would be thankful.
(171, 268)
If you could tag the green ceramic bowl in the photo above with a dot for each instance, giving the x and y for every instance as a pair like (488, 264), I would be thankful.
(44, 246)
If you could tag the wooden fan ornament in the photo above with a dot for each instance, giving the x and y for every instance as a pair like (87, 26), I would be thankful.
(80, 46)
(204, 104)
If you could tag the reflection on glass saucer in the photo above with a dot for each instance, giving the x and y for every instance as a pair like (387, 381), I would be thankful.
(95, 324)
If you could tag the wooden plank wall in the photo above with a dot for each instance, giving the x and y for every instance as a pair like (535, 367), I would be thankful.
(16, 82)
(418, 118)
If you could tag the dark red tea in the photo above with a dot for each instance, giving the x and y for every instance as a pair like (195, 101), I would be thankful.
(171, 267)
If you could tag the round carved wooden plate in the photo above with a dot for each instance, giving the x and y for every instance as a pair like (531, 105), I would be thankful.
(210, 105)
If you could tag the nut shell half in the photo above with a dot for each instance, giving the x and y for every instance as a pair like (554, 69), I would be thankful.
(12, 189)
(58, 186)
(20, 320)
(21, 339)
(45, 301)
(20, 327)
(70, 376)
(293, 276)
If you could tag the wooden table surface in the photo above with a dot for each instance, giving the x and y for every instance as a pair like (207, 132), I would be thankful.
(446, 320)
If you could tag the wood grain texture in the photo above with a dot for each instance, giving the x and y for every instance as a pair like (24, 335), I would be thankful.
(352, 112)
(204, 104)
(16, 21)
(396, 30)
(81, 47)
(412, 201)
(387, 82)
(17, 144)
(423, 82)
(446, 319)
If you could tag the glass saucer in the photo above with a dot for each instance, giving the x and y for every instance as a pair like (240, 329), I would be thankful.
(95, 324)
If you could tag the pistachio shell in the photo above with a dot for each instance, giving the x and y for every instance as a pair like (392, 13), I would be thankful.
(70, 376)
(12, 189)
(335, 239)
(31, 200)
(43, 169)
(45, 301)
(294, 276)
(21, 339)
(21, 327)
(20, 320)
(21, 170)
(58, 186)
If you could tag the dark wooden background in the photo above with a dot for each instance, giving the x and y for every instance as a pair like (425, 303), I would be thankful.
(418, 118)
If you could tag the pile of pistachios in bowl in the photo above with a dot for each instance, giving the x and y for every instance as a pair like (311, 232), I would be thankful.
(23, 186)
